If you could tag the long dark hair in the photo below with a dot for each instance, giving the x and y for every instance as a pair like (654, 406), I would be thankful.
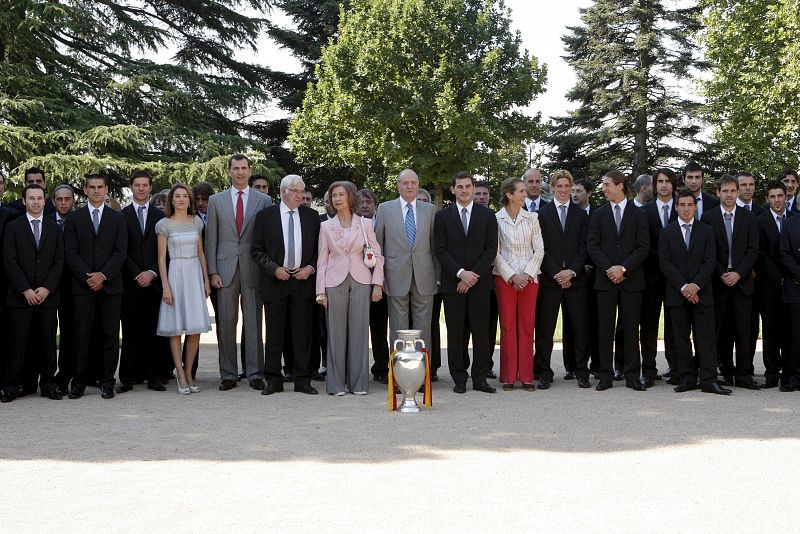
(169, 209)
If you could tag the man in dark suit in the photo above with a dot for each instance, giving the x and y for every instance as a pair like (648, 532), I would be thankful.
(143, 351)
(790, 179)
(34, 175)
(618, 244)
(747, 190)
(285, 239)
(532, 178)
(33, 258)
(465, 235)
(736, 238)
(693, 180)
(482, 196)
(562, 284)
(790, 258)
(769, 284)
(660, 212)
(64, 202)
(687, 256)
(95, 247)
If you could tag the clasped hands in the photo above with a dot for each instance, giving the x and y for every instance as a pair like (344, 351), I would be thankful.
(468, 280)
(301, 273)
(95, 281)
(689, 292)
(36, 296)
(616, 274)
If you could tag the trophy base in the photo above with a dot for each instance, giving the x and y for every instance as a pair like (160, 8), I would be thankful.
(409, 406)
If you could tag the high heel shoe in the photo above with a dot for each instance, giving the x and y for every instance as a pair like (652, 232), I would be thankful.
(194, 389)
(182, 391)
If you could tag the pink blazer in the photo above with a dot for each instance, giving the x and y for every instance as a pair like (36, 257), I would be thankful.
(341, 252)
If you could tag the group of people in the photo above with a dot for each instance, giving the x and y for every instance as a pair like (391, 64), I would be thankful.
(328, 284)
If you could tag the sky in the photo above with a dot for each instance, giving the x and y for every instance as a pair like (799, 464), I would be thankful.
(541, 25)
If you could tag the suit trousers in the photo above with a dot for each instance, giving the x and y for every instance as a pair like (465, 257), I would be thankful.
(791, 364)
(652, 301)
(106, 308)
(730, 300)
(491, 329)
(573, 302)
(517, 311)
(143, 352)
(435, 348)
(590, 327)
(698, 318)
(378, 331)
(629, 306)
(228, 306)
(66, 343)
(348, 345)
(461, 310)
(776, 326)
(42, 322)
(294, 307)
(411, 308)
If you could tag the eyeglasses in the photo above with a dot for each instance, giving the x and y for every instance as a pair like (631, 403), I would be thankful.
(296, 191)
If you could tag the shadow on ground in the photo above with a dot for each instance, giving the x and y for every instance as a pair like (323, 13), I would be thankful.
(242, 425)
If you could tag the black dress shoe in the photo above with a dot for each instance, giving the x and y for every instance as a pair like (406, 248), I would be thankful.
(156, 385)
(269, 389)
(648, 382)
(288, 377)
(604, 385)
(23, 391)
(257, 384)
(658, 377)
(483, 386)
(317, 376)
(227, 384)
(726, 381)
(714, 387)
(76, 392)
(107, 392)
(54, 394)
(544, 383)
(460, 388)
(635, 385)
(683, 388)
(308, 389)
(584, 383)
(674, 381)
(381, 379)
(747, 384)
(771, 382)
(788, 388)
(618, 376)
(6, 396)
(569, 376)
(491, 375)
(435, 377)
(124, 387)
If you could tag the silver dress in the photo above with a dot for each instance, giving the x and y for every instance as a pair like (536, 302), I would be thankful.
(188, 313)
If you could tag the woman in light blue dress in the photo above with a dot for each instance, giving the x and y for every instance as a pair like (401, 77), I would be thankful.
(185, 282)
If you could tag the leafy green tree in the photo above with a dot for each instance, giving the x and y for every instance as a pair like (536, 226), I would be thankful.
(433, 85)
(754, 90)
(83, 86)
(630, 59)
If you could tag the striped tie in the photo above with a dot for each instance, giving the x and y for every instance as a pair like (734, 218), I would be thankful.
(411, 226)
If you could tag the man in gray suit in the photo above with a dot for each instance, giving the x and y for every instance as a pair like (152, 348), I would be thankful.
(405, 233)
(231, 270)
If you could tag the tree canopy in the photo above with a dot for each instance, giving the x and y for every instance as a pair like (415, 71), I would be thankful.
(92, 86)
(434, 85)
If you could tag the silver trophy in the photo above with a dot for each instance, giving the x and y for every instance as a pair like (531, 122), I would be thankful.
(409, 368)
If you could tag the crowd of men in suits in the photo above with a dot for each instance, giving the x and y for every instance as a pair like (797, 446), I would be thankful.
(714, 264)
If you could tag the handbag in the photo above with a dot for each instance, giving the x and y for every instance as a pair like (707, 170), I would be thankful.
(369, 255)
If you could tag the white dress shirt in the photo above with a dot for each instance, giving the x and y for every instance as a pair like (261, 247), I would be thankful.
(681, 223)
(298, 236)
(31, 218)
(733, 216)
(622, 205)
(468, 207)
(533, 205)
(235, 199)
(660, 205)
(743, 205)
(775, 218)
(91, 209)
(404, 208)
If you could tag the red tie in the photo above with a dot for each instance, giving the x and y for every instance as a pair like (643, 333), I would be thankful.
(239, 214)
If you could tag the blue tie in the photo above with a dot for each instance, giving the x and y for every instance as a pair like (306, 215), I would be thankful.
(411, 227)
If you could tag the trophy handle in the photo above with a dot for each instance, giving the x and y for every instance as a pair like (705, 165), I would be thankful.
(421, 342)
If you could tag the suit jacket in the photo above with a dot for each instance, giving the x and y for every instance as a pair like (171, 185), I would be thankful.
(30, 266)
(6, 216)
(708, 201)
(693, 266)
(142, 248)
(563, 249)
(629, 248)
(225, 249)
(268, 251)
(87, 252)
(652, 270)
(790, 258)
(340, 254)
(401, 261)
(49, 208)
(757, 210)
(768, 266)
(473, 251)
(745, 244)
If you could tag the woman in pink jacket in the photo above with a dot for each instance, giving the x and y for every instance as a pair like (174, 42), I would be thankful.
(345, 285)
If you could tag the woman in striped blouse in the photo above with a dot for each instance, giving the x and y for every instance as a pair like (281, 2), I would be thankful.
(516, 268)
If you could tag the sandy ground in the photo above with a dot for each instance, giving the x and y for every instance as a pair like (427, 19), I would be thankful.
(562, 460)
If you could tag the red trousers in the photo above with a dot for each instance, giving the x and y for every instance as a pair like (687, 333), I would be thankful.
(517, 310)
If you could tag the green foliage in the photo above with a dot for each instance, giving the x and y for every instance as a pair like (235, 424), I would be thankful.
(81, 90)
(630, 58)
(754, 93)
(433, 85)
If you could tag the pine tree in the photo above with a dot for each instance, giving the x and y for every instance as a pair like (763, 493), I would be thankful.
(633, 61)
